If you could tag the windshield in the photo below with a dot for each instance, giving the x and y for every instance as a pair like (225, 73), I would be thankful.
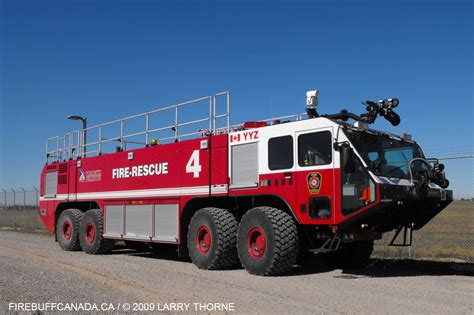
(385, 156)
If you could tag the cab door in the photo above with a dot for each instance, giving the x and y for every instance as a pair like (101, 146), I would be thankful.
(315, 169)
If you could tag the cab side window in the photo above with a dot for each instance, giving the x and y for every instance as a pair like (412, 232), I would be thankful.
(280, 153)
(315, 148)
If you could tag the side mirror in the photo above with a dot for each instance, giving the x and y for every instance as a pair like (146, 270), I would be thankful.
(347, 159)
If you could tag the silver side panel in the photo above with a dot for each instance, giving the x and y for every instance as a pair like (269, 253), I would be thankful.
(166, 223)
(245, 165)
(51, 184)
(138, 221)
(114, 220)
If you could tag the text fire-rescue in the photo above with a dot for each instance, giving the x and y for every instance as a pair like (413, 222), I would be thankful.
(140, 170)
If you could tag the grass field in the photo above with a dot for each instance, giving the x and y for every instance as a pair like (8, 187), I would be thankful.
(21, 219)
(449, 236)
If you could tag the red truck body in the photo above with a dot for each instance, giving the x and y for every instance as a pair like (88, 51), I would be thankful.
(150, 194)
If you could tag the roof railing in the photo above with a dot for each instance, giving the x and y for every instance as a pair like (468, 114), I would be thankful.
(72, 146)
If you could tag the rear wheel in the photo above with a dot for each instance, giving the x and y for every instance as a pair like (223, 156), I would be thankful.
(91, 234)
(267, 241)
(212, 239)
(67, 229)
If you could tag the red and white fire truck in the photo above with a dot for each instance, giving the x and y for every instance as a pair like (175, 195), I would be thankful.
(262, 192)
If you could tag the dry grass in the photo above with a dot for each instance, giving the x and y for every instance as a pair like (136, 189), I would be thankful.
(21, 219)
(450, 235)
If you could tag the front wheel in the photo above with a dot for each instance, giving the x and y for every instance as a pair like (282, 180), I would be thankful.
(267, 241)
(91, 234)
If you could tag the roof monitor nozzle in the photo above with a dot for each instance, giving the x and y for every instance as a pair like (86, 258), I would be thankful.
(383, 108)
(312, 103)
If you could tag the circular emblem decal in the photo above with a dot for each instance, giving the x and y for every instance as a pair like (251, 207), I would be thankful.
(314, 182)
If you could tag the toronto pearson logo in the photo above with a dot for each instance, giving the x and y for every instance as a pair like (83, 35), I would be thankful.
(82, 175)
(90, 176)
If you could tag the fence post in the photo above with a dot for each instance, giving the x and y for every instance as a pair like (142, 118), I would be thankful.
(4, 220)
(13, 207)
(24, 208)
(37, 207)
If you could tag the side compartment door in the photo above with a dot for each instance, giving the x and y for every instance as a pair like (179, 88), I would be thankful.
(315, 169)
(243, 157)
(143, 220)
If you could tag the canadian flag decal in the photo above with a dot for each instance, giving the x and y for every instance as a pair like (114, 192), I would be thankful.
(235, 138)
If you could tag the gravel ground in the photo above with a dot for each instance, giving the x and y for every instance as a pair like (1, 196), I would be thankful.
(33, 269)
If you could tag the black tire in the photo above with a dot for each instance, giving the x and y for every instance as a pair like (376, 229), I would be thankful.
(212, 237)
(91, 234)
(67, 230)
(352, 255)
(280, 241)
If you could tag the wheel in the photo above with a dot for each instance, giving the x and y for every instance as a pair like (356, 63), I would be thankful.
(352, 255)
(91, 234)
(212, 238)
(67, 229)
(267, 241)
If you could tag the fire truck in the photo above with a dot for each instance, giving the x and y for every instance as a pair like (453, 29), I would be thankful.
(264, 193)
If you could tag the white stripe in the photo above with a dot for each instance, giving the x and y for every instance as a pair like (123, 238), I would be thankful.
(181, 191)
(395, 181)
(402, 182)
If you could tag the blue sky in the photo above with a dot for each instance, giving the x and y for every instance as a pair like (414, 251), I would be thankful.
(107, 59)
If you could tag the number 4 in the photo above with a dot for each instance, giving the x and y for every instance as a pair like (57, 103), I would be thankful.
(193, 165)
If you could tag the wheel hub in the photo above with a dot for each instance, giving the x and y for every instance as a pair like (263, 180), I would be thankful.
(90, 233)
(67, 230)
(203, 239)
(256, 242)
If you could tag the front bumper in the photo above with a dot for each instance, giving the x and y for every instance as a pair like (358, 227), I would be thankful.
(401, 205)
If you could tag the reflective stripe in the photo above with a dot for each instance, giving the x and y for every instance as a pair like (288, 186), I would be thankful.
(183, 191)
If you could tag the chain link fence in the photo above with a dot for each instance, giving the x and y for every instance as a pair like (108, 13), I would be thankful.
(449, 236)
(19, 210)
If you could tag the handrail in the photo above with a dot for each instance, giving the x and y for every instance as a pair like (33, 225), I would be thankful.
(71, 146)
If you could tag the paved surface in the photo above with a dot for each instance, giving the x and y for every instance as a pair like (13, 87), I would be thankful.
(34, 269)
